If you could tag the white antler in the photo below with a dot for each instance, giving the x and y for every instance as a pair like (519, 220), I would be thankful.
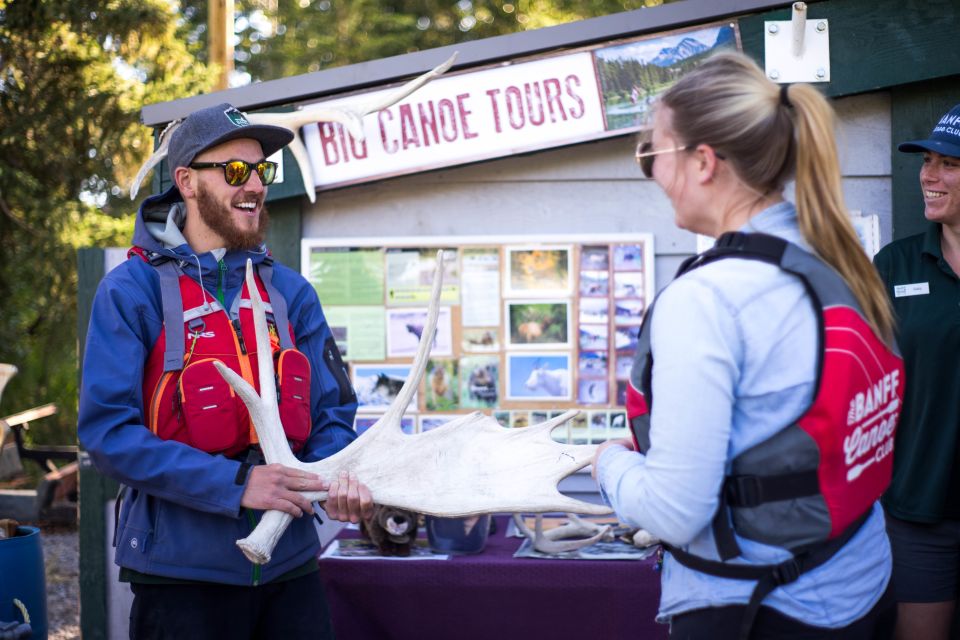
(558, 539)
(351, 118)
(468, 466)
(7, 371)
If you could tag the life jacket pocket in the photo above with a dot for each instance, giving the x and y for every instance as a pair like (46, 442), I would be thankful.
(293, 395)
(211, 410)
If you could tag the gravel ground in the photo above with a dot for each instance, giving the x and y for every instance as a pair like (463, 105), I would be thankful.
(61, 552)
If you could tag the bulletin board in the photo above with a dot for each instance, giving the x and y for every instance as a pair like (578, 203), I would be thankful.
(526, 330)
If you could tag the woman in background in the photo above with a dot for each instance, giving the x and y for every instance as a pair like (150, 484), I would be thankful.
(923, 502)
(741, 401)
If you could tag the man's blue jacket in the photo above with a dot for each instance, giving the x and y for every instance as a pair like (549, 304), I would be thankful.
(181, 515)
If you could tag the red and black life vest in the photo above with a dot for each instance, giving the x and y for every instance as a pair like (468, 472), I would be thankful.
(185, 397)
(811, 486)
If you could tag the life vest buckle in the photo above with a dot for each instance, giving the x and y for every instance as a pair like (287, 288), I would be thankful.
(786, 572)
(744, 491)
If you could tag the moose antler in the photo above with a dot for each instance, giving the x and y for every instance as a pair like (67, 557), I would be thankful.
(574, 534)
(351, 118)
(468, 466)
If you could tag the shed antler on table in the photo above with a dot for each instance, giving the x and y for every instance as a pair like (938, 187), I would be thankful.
(468, 466)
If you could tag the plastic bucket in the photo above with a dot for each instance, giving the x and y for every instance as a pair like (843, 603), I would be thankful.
(22, 577)
(458, 535)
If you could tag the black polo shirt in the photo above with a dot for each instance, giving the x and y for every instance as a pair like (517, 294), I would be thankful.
(926, 298)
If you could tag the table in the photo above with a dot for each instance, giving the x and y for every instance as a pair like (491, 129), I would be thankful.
(492, 595)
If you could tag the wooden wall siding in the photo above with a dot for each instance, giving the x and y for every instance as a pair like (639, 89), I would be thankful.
(587, 188)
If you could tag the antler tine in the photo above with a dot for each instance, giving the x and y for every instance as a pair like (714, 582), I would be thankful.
(555, 540)
(351, 118)
(155, 158)
(412, 383)
(262, 408)
(7, 371)
(408, 88)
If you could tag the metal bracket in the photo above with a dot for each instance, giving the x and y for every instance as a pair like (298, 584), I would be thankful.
(797, 50)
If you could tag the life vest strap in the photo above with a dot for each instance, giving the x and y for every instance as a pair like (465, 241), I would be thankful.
(752, 491)
(768, 576)
(279, 304)
(172, 315)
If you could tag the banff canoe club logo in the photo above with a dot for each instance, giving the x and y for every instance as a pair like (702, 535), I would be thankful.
(949, 124)
(237, 118)
(875, 412)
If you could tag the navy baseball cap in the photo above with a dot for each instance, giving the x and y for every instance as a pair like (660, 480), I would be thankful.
(215, 125)
(944, 139)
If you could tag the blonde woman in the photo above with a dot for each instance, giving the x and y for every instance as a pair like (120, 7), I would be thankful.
(765, 394)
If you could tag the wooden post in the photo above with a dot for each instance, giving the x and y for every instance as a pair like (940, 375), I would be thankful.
(220, 27)
(95, 490)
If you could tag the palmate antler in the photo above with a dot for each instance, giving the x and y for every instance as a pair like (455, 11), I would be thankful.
(351, 118)
(470, 465)
(574, 534)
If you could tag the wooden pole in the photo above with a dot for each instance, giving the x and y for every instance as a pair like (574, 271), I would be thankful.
(220, 26)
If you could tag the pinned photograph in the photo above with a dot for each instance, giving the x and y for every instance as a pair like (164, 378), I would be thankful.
(538, 325)
(479, 382)
(340, 336)
(628, 284)
(628, 257)
(618, 425)
(632, 75)
(594, 310)
(624, 365)
(480, 339)
(442, 388)
(519, 419)
(536, 417)
(625, 339)
(592, 391)
(430, 422)
(579, 430)
(405, 326)
(595, 257)
(592, 364)
(622, 393)
(594, 283)
(541, 376)
(593, 337)
(599, 423)
(503, 417)
(538, 272)
(361, 423)
(377, 385)
(629, 312)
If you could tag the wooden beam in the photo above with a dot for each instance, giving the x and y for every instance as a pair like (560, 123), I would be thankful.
(220, 42)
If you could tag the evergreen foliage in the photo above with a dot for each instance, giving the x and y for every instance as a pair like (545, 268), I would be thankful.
(74, 75)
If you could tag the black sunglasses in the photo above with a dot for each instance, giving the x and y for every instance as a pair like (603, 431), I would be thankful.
(237, 172)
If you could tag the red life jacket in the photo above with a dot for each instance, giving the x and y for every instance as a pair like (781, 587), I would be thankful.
(809, 487)
(185, 397)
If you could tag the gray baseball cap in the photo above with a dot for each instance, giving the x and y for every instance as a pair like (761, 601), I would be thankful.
(211, 126)
(944, 139)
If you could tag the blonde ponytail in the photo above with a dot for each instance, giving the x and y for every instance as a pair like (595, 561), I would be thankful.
(767, 137)
(824, 221)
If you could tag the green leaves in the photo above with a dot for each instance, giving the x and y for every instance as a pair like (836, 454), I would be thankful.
(74, 77)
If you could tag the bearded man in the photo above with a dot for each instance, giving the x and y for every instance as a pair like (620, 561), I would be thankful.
(156, 416)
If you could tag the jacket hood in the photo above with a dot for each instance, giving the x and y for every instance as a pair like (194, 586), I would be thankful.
(158, 229)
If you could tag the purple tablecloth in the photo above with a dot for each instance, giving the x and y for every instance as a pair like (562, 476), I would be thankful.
(491, 595)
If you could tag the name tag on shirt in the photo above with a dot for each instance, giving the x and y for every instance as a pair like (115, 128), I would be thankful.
(915, 289)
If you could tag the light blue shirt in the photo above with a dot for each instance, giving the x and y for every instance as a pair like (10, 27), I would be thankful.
(735, 351)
